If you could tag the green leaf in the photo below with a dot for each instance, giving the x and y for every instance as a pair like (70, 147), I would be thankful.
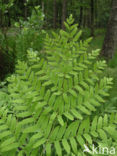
(58, 148)
(60, 83)
(75, 80)
(99, 98)
(54, 133)
(76, 114)
(99, 125)
(66, 146)
(79, 89)
(52, 99)
(84, 110)
(26, 121)
(88, 138)
(48, 149)
(69, 116)
(84, 84)
(60, 120)
(47, 95)
(73, 144)
(102, 135)
(8, 142)
(89, 106)
(95, 102)
(80, 140)
(77, 36)
(30, 129)
(94, 134)
(111, 131)
(94, 124)
(72, 92)
(65, 85)
(5, 134)
(70, 83)
(10, 147)
(61, 132)
(65, 97)
(40, 142)
(47, 83)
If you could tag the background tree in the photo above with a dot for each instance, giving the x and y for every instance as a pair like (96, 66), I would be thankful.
(64, 12)
(110, 40)
(54, 14)
(92, 17)
(81, 14)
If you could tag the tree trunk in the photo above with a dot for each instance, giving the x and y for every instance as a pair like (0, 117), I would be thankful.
(54, 14)
(25, 9)
(43, 7)
(59, 14)
(92, 17)
(9, 19)
(110, 40)
(88, 17)
(1, 18)
(96, 13)
(81, 16)
(64, 10)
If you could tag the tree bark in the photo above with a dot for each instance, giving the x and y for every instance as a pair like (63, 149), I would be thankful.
(25, 10)
(9, 18)
(43, 6)
(64, 10)
(110, 41)
(81, 16)
(54, 14)
(96, 13)
(1, 18)
(92, 17)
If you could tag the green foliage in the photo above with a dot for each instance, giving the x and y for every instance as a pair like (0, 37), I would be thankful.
(5, 6)
(13, 10)
(6, 57)
(86, 33)
(14, 44)
(4, 97)
(53, 101)
(29, 38)
(113, 61)
(103, 12)
(35, 21)
(111, 72)
(97, 41)
(31, 35)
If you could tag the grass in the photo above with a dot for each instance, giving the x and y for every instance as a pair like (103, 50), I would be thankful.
(97, 42)
(98, 39)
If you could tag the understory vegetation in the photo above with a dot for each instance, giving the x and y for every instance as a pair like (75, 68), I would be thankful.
(58, 93)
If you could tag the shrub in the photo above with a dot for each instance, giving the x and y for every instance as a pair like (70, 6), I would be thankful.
(31, 35)
(14, 44)
(54, 101)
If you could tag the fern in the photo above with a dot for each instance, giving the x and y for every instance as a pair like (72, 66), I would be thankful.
(54, 101)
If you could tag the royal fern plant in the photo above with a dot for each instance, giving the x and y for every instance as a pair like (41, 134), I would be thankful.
(53, 101)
